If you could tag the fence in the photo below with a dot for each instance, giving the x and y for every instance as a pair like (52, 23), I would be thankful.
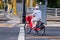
(53, 11)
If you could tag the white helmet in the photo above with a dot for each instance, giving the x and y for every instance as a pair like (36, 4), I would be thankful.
(37, 7)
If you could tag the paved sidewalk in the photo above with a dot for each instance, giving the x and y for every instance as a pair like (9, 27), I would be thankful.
(13, 23)
(16, 20)
(53, 24)
(10, 23)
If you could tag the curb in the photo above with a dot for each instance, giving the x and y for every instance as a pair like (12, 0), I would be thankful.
(52, 26)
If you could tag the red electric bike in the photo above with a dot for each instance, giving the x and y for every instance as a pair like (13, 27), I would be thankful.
(39, 29)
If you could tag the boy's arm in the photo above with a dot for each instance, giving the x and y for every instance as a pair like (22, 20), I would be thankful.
(34, 14)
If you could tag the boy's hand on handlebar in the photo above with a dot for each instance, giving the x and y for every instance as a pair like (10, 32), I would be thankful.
(33, 15)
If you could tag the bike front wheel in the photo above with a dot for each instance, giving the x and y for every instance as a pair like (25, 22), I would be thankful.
(27, 29)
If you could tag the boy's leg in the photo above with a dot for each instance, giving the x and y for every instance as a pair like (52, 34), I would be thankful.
(34, 22)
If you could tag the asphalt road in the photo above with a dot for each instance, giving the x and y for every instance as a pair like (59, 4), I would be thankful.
(7, 33)
(12, 34)
(50, 34)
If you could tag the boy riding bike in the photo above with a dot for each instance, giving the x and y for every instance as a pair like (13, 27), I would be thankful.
(33, 22)
(36, 16)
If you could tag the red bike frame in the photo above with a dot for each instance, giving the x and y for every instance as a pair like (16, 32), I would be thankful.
(28, 18)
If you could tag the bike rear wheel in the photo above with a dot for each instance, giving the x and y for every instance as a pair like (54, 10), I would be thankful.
(41, 32)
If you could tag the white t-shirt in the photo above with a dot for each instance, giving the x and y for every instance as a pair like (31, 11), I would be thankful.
(37, 14)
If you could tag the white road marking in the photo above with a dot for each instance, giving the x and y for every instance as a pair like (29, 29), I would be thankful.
(21, 35)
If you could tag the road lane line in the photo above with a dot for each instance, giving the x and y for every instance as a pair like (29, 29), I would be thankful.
(21, 35)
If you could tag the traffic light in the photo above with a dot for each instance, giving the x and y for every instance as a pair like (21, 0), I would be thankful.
(27, 3)
(34, 3)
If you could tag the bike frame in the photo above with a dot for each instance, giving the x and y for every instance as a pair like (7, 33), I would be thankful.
(30, 23)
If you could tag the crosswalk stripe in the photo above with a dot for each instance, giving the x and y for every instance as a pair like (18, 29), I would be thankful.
(21, 35)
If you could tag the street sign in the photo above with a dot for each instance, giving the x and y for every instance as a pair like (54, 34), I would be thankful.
(43, 8)
(44, 16)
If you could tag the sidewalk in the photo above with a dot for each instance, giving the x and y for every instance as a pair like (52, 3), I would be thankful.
(13, 23)
(53, 24)
(10, 23)
(15, 20)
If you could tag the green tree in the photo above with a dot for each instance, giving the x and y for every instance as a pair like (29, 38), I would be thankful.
(51, 3)
(58, 3)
